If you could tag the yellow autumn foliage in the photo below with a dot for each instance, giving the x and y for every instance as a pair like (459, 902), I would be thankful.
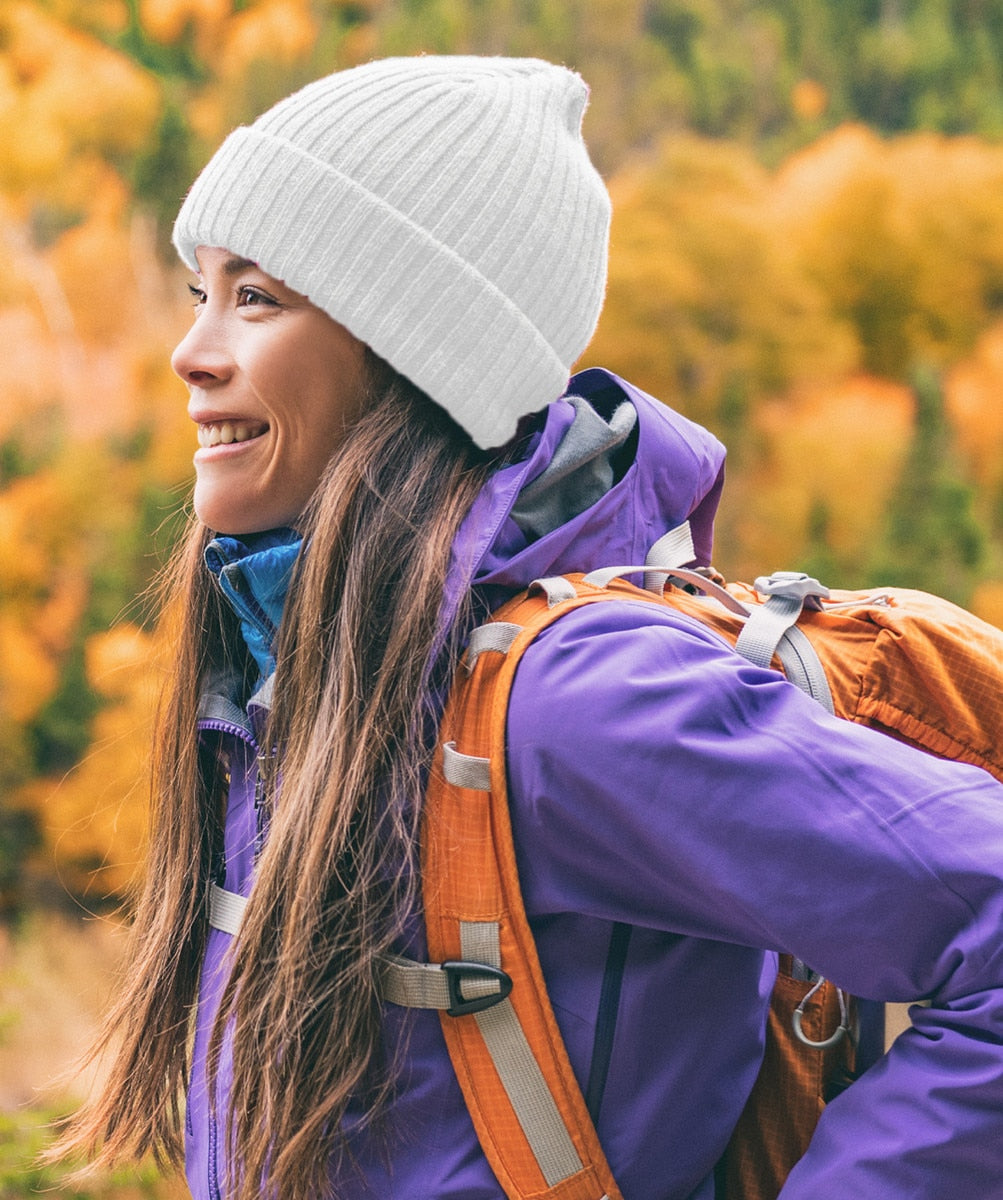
(167, 20)
(42, 599)
(94, 817)
(64, 95)
(987, 601)
(841, 445)
(784, 306)
(90, 321)
(96, 16)
(28, 378)
(857, 254)
(809, 99)
(29, 674)
(788, 308)
(43, 582)
(56, 619)
(92, 262)
(974, 396)
(31, 536)
(904, 238)
(705, 293)
(272, 31)
(49, 527)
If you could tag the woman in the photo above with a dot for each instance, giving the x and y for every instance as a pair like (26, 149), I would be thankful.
(396, 268)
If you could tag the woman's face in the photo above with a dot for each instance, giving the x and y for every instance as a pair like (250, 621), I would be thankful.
(274, 383)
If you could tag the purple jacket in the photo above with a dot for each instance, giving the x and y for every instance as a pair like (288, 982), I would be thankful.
(659, 780)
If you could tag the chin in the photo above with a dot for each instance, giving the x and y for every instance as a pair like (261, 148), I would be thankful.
(226, 518)
(238, 524)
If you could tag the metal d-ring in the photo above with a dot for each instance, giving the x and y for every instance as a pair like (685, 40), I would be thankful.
(842, 1030)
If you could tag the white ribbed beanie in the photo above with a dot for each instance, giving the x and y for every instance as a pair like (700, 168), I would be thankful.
(443, 209)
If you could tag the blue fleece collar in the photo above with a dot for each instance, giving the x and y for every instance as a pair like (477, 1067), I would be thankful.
(253, 574)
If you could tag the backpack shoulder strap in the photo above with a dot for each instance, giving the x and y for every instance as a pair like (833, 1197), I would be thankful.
(485, 975)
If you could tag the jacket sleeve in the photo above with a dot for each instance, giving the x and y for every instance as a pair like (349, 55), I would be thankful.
(659, 779)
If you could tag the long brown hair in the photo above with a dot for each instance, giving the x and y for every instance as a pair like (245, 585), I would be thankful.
(362, 664)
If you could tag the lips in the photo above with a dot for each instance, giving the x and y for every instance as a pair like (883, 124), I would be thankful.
(226, 433)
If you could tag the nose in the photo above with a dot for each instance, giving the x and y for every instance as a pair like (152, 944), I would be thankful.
(201, 357)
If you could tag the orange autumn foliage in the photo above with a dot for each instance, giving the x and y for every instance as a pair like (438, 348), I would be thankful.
(94, 817)
(786, 306)
(974, 395)
(705, 290)
(167, 20)
(281, 31)
(843, 446)
(66, 100)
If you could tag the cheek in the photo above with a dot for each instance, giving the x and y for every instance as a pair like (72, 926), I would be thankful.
(323, 419)
(332, 403)
(313, 386)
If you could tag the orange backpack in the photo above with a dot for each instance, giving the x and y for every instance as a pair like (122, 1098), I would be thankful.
(914, 666)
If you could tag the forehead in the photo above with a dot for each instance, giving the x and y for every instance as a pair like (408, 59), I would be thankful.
(215, 258)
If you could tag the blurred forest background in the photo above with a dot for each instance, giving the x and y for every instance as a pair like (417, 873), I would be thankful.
(807, 257)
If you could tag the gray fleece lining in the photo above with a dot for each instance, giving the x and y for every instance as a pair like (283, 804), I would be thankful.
(580, 473)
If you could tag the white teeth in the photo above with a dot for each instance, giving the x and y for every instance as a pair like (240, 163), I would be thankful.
(224, 433)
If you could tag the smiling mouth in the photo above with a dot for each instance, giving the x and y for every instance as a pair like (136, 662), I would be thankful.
(225, 433)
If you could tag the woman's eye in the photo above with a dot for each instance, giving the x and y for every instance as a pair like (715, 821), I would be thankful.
(197, 295)
(250, 297)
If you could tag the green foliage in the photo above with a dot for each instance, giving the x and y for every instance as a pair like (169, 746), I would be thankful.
(771, 282)
(820, 560)
(61, 732)
(164, 168)
(20, 837)
(30, 446)
(933, 539)
(178, 59)
(894, 64)
(23, 1137)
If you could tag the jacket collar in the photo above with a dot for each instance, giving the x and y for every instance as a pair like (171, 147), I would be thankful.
(253, 573)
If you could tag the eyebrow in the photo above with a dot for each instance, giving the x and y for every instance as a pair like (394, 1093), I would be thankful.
(232, 265)
(235, 265)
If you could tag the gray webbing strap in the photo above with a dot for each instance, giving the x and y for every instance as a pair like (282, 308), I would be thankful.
(226, 909)
(413, 984)
(803, 667)
(496, 635)
(708, 587)
(605, 576)
(766, 625)
(465, 770)
(771, 629)
(428, 985)
(787, 592)
(518, 1070)
(673, 549)
(555, 587)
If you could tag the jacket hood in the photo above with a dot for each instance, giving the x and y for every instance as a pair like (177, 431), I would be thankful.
(666, 470)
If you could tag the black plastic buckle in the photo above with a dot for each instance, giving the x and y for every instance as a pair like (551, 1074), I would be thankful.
(457, 972)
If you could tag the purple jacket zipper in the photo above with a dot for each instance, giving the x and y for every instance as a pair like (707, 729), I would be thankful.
(245, 735)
